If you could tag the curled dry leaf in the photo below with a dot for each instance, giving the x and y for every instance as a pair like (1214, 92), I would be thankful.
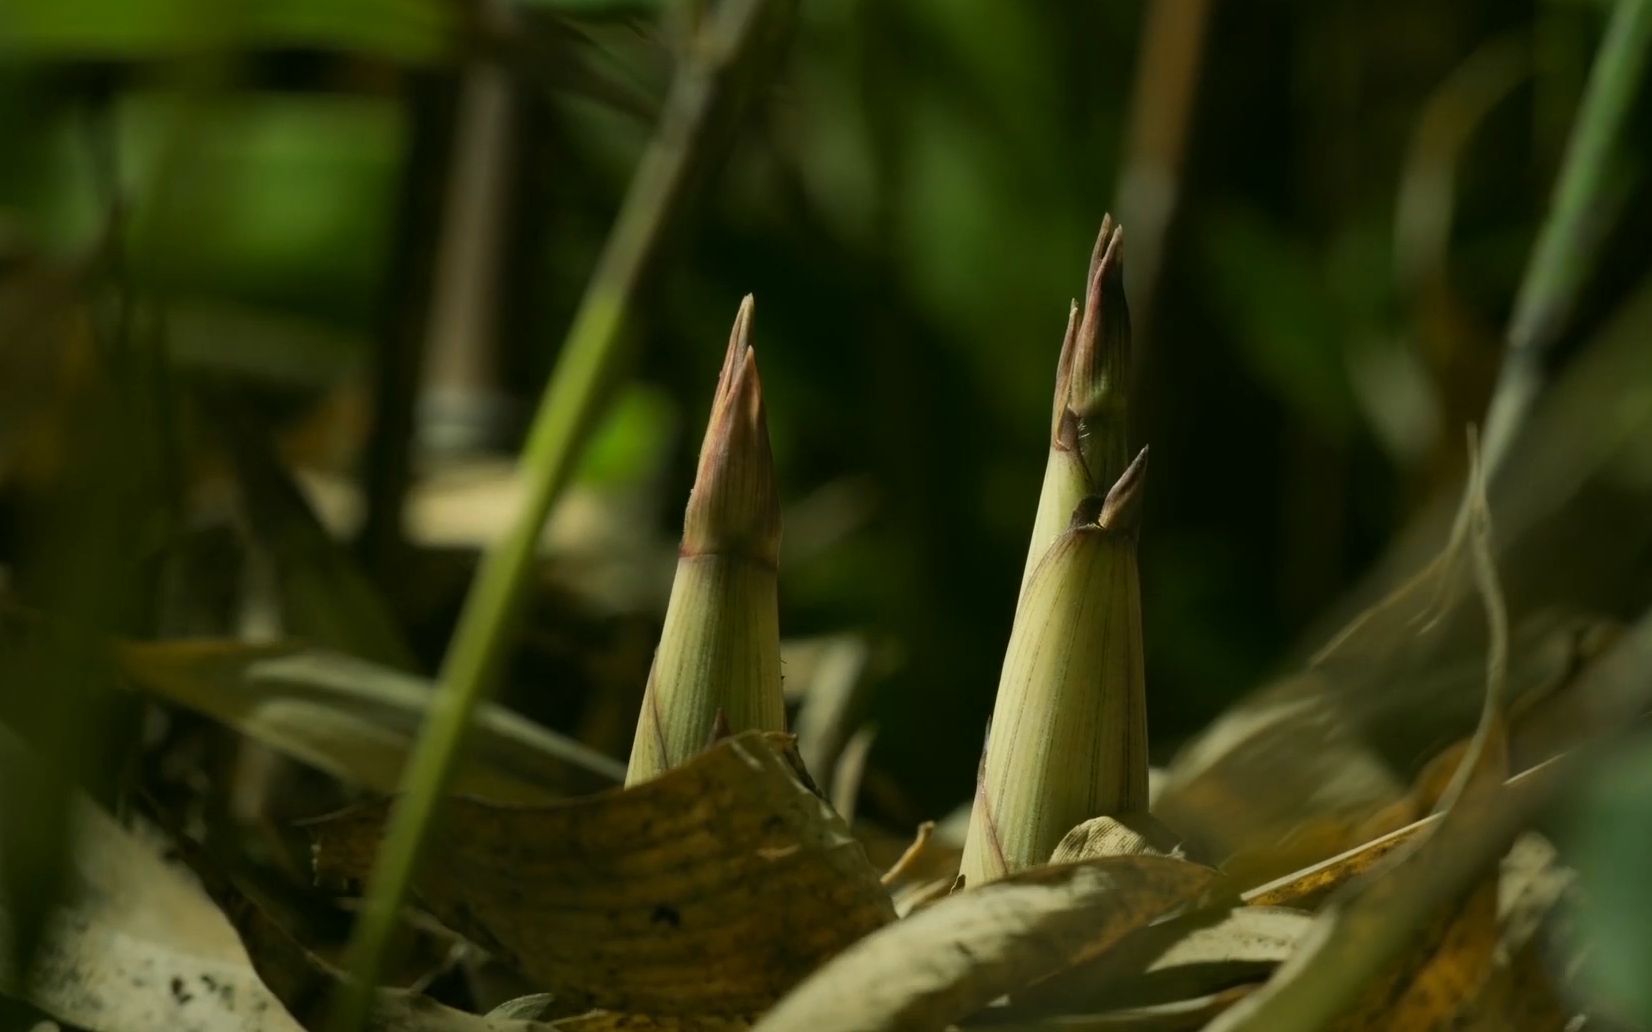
(1128, 834)
(1248, 786)
(917, 871)
(709, 890)
(955, 957)
(1407, 946)
(356, 720)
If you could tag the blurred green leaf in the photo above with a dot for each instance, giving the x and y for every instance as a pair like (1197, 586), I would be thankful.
(400, 30)
(1277, 293)
(630, 439)
(1612, 832)
(267, 198)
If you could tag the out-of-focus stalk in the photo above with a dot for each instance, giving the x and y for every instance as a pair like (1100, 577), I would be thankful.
(1088, 428)
(719, 653)
(1068, 740)
(708, 92)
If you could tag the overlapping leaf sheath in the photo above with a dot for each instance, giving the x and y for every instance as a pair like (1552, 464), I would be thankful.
(1068, 737)
(1088, 442)
(719, 652)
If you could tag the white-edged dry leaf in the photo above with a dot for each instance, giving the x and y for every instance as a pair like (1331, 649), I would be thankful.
(136, 946)
(356, 720)
(710, 890)
(953, 958)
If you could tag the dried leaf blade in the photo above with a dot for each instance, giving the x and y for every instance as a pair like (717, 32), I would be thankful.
(951, 959)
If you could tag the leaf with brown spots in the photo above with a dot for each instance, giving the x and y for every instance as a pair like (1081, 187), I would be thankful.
(710, 890)
(955, 957)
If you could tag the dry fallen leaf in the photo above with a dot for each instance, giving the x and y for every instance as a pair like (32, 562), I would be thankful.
(356, 720)
(306, 985)
(1180, 1016)
(953, 958)
(1187, 957)
(136, 946)
(1308, 887)
(710, 890)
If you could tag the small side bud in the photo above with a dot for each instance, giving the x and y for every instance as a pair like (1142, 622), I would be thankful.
(1121, 510)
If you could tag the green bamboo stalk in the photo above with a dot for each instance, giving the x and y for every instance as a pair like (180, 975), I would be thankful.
(719, 652)
(1068, 738)
(1560, 258)
(707, 92)
(1089, 435)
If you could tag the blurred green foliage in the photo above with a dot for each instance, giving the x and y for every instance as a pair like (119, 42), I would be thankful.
(912, 206)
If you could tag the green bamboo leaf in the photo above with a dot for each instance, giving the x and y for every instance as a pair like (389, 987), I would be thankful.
(405, 30)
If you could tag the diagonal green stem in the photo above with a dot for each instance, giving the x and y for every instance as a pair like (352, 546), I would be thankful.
(1559, 259)
(706, 93)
